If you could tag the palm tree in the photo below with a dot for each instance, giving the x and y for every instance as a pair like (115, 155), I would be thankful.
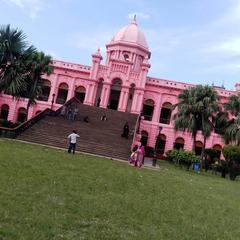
(13, 50)
(38, 65)
(232, 130)
(186, 118)
(196, 108)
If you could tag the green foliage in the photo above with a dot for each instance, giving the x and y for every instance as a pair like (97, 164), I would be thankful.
(21, 65)
(232, 153)
(196, 108)
(182, 157)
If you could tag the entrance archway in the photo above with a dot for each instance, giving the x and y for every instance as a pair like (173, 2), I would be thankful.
(218, 149)
(62, 93)
(198, 148)
(148, 108)
(80, 93)
(144, 138)
(160, 144)
(4, 111)
(22, 115)
(115, 94)
(99, 92)
(130, 98)
(179, 143)
(166, 111)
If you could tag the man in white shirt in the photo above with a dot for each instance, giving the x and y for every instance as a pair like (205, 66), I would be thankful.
(73, 140)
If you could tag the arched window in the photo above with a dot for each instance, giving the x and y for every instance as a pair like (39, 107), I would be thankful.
(166, 111)
(218, 149)
(144, 138)
(179, 143)
(62, 93)
(22, 115)
(80, 93)
(4, 111)
(148, 108)
(160, 144)
(46, 88)
(198, 148)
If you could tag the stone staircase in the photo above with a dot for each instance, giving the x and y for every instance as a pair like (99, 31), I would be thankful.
(96, 136)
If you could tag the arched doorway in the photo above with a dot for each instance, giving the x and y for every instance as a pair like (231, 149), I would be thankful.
(46, 88)
(99, 92)
(144, 138)
(22, 115)
(4, 111)
(160, 144)
(198, 148)
(130, 97)
(115, 94)
(80, 93)
(179, 143)
(218, 149)
(148, 108)
(166, 111)
(62, 93)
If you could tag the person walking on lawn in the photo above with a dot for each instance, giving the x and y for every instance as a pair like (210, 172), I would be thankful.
(72, 141)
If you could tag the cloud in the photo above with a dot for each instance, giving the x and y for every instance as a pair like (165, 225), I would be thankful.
(233, 14)
(33, 7)
(231, 47)
(141, 15)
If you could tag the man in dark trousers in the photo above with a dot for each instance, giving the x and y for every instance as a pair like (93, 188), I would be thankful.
(73, 140)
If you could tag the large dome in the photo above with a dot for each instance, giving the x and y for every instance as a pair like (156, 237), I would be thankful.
(131, 34)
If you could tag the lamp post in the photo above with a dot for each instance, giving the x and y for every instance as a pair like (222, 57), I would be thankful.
(53, 96)
(155, 149)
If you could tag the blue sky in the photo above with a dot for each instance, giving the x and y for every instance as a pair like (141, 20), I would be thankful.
(194, 41)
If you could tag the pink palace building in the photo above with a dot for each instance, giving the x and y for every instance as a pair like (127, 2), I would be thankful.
(121, 83)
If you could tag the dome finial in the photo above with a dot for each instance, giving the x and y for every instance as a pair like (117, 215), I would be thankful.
(134, 21)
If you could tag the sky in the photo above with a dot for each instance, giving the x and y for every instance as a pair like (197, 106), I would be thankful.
(192, 41)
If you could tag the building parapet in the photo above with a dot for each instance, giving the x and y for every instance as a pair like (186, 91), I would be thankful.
(71, 66)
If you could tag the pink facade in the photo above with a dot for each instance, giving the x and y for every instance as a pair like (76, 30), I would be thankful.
(122, 84)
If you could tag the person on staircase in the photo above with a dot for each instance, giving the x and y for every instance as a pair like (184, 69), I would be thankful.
(72, 141)
(75, 113)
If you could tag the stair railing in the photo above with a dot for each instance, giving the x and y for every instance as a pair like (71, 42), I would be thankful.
(14, 132)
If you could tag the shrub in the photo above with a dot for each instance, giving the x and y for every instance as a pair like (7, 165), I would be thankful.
(7, 124)
(232, 156)
(182, 157)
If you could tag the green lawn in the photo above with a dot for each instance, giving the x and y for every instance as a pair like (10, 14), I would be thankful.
(48, 194)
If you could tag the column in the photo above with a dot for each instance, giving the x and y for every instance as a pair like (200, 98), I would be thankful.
(54, 89)
(71, 90)
(156, 113)
(106, 89)
(123, 99)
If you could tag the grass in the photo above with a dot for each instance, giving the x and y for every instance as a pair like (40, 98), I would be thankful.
(48, 194)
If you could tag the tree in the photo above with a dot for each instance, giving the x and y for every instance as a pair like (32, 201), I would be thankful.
(14, 50)
(232, 130)
(38, 64)
(196, 109)
(186, 118)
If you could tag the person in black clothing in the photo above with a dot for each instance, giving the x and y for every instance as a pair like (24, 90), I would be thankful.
(125, 130)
